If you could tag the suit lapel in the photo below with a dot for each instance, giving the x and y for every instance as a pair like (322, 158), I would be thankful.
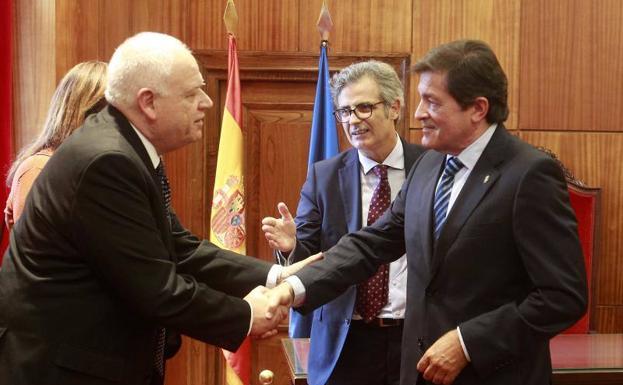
(126, 130)
(424, 201)
(480, 181)
(349, 179)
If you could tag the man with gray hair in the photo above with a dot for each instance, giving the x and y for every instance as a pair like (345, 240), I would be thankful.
(99, 265)
(355, 339)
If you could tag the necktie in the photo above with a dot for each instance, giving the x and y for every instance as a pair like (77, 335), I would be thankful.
(372, 294)
(166, 189)
(442, 196)
(160, 336)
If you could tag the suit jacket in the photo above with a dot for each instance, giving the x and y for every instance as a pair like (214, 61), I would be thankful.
(507, 267)
(330, 207)
(94, 269)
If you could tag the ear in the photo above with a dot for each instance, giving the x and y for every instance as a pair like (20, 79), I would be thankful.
(394, 110)
(481, 109)
(145, 99)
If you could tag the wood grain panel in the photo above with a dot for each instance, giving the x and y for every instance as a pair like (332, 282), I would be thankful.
(34, 76)
(611, 318)
(268, 354)
(571, 72)
(359, 26)
(77, 33)
(267, 25)
(494, 21)
(115, 25)
(167, 16)
(595, 159)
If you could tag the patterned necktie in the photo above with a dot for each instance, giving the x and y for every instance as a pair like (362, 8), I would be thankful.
(442, 195)
(166, 189)
(160, 336)
(372, 294)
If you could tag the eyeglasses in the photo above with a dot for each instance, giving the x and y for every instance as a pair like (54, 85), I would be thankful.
(362, 111)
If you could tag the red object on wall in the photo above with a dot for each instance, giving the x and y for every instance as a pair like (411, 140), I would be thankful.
(6, 137)
(585, 203)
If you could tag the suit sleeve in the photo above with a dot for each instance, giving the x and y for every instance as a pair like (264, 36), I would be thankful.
(119, 238)
(308, 220)
(216, 267)
(545, 231)
(356, 256)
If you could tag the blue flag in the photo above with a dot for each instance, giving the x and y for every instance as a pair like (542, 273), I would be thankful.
(323, 144)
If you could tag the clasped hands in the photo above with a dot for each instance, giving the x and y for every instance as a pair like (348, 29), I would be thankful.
(270, 306)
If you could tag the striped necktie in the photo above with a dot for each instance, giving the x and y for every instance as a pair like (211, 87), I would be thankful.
(442, 195)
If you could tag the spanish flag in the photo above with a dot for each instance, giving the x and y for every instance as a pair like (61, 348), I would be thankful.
(227, 229)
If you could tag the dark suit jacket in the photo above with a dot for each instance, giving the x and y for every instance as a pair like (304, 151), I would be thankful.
(93, 269)
(330, 207)
(507, 268)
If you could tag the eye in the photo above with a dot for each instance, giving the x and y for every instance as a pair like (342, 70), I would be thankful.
(364, 108)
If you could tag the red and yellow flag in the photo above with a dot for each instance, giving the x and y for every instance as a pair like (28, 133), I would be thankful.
(227, 228)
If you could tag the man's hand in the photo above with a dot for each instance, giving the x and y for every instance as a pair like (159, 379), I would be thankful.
(280, 296)
(295, 267)
(265, 317)
(280, 233)
(444, 360)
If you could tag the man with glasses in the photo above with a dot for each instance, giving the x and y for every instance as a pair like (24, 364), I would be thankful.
(494, 260)
(355, 339)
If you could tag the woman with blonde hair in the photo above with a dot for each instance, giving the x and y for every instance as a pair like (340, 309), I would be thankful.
(80, 93)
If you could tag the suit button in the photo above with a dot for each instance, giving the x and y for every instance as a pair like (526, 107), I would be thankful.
(420, 344)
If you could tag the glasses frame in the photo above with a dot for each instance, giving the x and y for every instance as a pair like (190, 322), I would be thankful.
(336, 112)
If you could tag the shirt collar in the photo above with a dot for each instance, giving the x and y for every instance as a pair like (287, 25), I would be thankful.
(470, 155)
(151, 150)
(395, 159)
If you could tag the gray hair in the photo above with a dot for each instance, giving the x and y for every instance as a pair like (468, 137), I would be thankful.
(144, 60)
(390, 86)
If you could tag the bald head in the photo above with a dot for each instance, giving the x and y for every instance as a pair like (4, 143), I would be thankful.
(145, 60)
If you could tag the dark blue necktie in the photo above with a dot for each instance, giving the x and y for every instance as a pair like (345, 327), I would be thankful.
(442, 195)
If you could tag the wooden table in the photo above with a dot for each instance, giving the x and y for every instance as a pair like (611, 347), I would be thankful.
(587, 359)
(577, 359)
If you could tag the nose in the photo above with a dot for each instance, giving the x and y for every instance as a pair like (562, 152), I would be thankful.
(420, 111)
(206, 102)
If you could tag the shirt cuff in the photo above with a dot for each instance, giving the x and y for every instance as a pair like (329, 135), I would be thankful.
(463, 344)
(250, 320)
(273, 276)
(298, 288)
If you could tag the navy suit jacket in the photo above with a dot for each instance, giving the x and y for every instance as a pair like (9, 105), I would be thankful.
(330, 207)
(507, 267)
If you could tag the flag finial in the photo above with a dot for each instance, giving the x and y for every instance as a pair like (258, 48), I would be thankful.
(231, 17)
(325, 24)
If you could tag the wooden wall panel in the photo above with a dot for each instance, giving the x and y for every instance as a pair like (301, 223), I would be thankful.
(494, 21)
(77, 33)
(359, 26)
(267, 25)
(594, 159)
(34, 78)
(571, 72)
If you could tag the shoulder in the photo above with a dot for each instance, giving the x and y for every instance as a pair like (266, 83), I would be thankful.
(35, 162)
(338, 161)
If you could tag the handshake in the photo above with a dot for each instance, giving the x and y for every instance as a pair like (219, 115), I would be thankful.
(270, 306)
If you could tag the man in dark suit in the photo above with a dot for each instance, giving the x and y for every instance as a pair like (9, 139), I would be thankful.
(99, 266)
(336, 199)
(494, 261)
